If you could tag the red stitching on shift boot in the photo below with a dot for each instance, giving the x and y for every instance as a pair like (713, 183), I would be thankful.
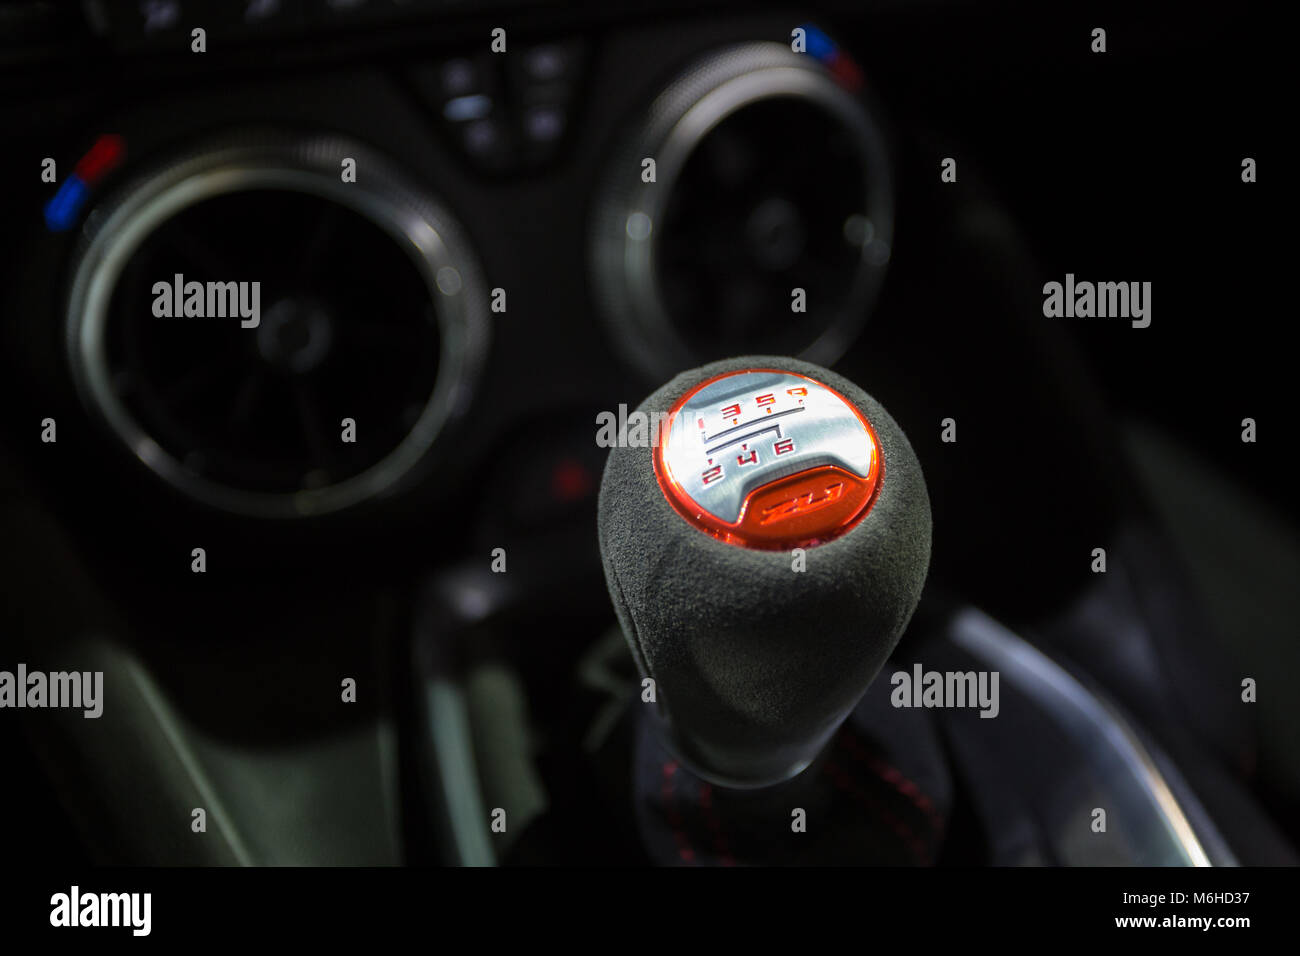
(914, 843)
(715, 824)
(895, 778)
(674, 817)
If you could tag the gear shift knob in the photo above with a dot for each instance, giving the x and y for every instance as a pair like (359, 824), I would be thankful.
(758, 650)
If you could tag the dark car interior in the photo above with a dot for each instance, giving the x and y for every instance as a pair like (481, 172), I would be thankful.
(337, 557)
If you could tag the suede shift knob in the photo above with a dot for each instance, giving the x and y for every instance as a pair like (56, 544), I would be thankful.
(764, 551)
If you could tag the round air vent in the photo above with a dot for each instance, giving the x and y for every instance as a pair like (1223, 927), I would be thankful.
(770, 177)
(272, 339)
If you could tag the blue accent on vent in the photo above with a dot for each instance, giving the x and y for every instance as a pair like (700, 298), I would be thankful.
(818, 43)
(61, 212)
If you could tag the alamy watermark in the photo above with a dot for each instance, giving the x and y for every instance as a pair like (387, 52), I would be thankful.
(946, 689)
(208, 300)
(624, 429)
(74, 908)
(61, 689)
(1099, 300)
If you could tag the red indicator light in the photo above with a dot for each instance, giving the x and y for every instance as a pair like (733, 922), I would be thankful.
(570, 481)
(107, 152)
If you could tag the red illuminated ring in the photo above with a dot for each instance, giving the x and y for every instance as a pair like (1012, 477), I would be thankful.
(807, 508)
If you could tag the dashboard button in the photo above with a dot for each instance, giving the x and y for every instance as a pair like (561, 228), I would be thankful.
(487, 143)
(543, 125)
(551, 62)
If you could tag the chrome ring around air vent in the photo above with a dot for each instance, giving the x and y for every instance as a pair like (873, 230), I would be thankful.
(769, 176)
(429, 342)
